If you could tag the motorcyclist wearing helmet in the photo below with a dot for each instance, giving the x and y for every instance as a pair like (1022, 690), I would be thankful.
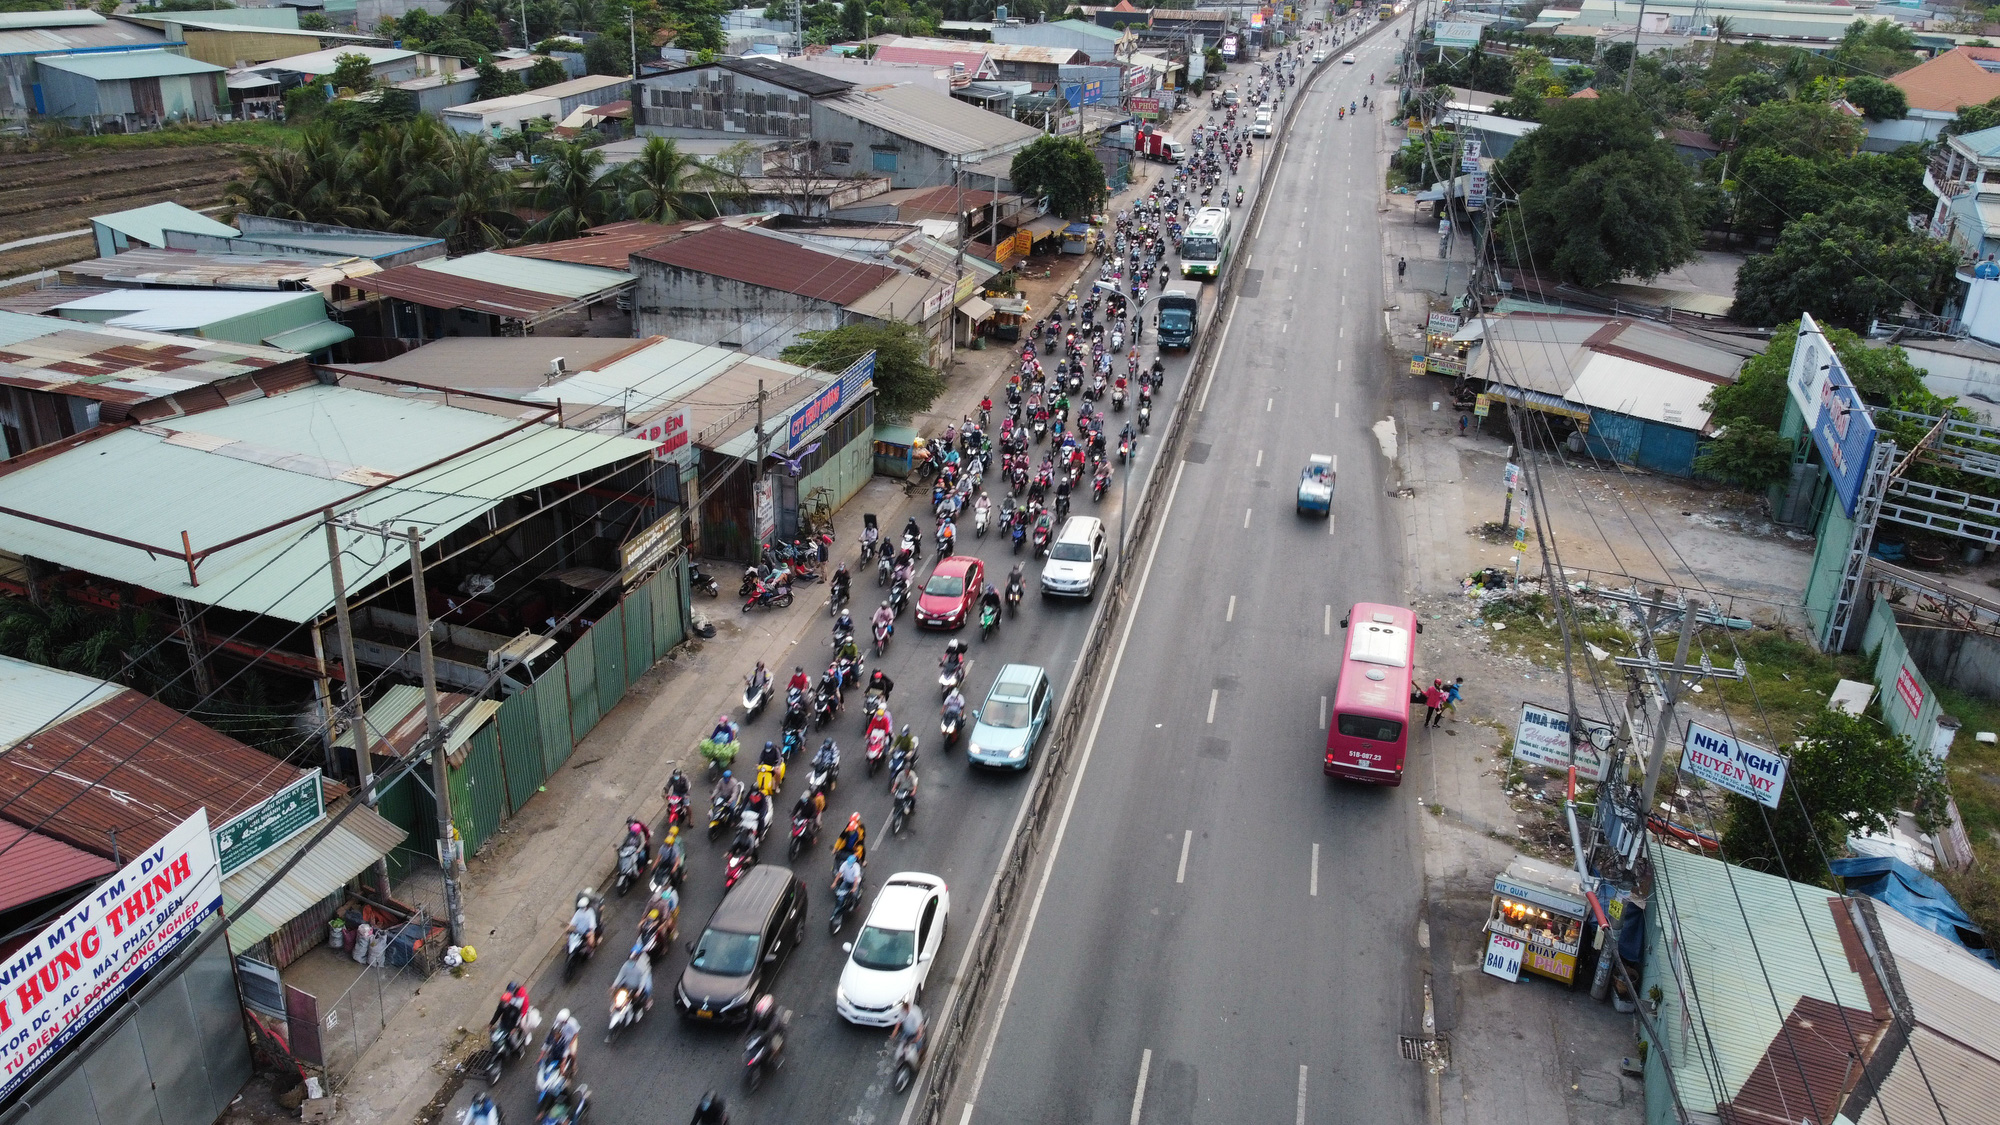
(560, 1044)
(725, 730)
(847, 878)
(511, 1013)
(885, 618)
(954, 657)
(853, 839)
(904, 787)
(799, 681)
(711, 1110)
(767, 1020)
(673, 857)
(839, 583)
(730, 789)
(587, 921)
(637, 975)
(677, 784)
(827, 757)
(770, 755)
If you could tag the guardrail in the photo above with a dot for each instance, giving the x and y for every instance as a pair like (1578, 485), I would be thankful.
(950, 1037)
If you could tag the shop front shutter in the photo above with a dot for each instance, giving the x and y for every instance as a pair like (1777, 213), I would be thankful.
(520, 727)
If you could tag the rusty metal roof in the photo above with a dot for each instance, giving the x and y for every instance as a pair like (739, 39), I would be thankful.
(120, 365)
(36, 866)
(131, 768)
(774, 263)
(611, 245)
(435, 290)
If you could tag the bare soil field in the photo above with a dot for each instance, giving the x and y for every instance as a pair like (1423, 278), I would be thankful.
(52, 192)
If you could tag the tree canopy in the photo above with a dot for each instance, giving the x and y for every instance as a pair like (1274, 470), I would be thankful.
(1064, 170)
(1847, 265)
(904, 382)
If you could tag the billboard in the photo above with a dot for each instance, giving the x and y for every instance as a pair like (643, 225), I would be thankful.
(668, 433)
(1542, 738)
(1735, 765)
(828, 402)
(1229, 46)
(1839, 421)
(241, 839)
(1455, 34)
(52, 987)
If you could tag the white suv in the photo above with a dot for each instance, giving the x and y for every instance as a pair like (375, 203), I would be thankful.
(1076, 559)
(892, 955)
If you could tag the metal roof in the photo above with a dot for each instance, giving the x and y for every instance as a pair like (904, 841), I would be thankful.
(194, 269)
(113, 779)
(231, 471)
(58, 40)
(309, 338)
(808, 82)
(38, 302)
(503, 285)
(150, 224)
(1950, 990)
(1009, 52)
(495, 365)
(396, 722)
(610, 246)
(82, 17)
(1760, 974)
(116, 65)
(655, 375)
(971, 56)
(934, 120)
(558, 279)
(900, 296)
(774, 263)
(38, 695)
(357, 842)
(120, 365)
(34, 866)
(327, 61)
(1081, 27)
(179, 310)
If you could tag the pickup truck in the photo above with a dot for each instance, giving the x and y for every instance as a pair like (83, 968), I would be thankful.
(1177, 319)
(1159, 146)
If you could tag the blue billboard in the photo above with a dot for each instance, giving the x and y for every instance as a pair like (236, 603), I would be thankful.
(1841, 426)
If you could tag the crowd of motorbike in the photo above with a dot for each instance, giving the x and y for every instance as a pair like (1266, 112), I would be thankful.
(1081, 365)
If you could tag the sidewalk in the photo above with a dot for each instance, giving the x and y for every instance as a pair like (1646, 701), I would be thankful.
(1530, 1051)
(517, 889)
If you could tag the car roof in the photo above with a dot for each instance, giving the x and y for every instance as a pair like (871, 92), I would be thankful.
(955, 565)
(1016, 680)
(748, 904)
(902, 899)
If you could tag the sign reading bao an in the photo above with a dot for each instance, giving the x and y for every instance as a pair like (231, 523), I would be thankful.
(52, 987)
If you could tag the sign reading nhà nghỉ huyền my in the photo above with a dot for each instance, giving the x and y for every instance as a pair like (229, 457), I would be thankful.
(1735, 765)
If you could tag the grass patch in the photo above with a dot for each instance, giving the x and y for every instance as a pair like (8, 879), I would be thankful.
(1975, 769)
(1533, 632)
(1791, 679)
(263, 133)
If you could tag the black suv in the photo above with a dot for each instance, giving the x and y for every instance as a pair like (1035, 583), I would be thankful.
(743, 946)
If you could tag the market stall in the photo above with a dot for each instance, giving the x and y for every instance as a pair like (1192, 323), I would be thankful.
(893, 448)
(1539, 921)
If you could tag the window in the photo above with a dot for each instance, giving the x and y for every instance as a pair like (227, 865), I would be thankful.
(924, 927)
(885, 161)
(842, 153)
(1370, 728)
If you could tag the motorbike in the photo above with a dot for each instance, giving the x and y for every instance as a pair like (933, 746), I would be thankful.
(825, 706)
(909, 1057)
(504, 1048)
(1098, 484)
(878, 744)
(871, 537)
(755, 695)
(770, 597)
(1124, 449)
(950, 677)
(844, 903)
(721, 815)
(577, 951)
(835, 602)
(1042, 535)
(900, 760)
(980, 518)
(666, 873)
(735, 864)
(989, 620)
(1014, 593)
(805, 834)
(567, 1107)
(631, 863)
(899, 595)
(764, 1050)
(795, 740)
(795, 708)
(1145, 416)
(882, 631)
(703, 583)
(551, 1086)
(1118, 398)
(884, 568)
(626, 1010)
(899, 815)
(950, 725)
(822, 780)
(1019, 535)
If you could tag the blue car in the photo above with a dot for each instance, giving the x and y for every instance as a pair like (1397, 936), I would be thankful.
(1007, 726)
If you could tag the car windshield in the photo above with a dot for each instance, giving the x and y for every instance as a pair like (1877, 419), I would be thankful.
(725, 954)
(945, 585)
(1071, 552)
(1200, 249)
(1009, 713)
(877, 948)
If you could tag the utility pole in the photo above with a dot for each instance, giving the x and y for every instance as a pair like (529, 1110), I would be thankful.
(632, 44)
(363, 760)
(1671, 680)
(434, 735)
(759, 482)
(1633, 66)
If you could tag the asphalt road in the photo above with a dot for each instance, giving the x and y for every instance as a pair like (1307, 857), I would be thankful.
(1224, 934)
(834, 1071)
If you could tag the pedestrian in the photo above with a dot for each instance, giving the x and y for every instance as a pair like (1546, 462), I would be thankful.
(1453, 692)
(1434, 703)
(1402, 266)
(1464, 420)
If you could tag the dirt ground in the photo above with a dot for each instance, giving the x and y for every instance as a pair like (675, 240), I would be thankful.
(52, 192)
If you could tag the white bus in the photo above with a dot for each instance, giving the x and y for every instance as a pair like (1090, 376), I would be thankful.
(1205, 246)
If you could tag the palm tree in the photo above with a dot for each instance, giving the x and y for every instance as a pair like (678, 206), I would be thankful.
(573, 192)
(666, 185)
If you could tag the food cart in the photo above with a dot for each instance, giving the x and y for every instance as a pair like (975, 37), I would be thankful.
(893, 447)
(1009, 314)
(1539, 921)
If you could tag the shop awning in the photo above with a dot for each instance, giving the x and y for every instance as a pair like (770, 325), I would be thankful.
(309, 338)
(976, 309)
(1546, 403)
(1044, 227)
(1431, 196)
(349, 849)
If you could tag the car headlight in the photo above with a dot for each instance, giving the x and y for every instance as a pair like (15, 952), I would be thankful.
(972, 748)
(1018, 751)
(738, 1000)
(840, 996)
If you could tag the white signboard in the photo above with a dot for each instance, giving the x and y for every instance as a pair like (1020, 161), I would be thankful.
(1543, 739)
(1503, 956)
(1468, 157)
(668, 433)
(53, 986)
(1750, 771)
(1811, 360)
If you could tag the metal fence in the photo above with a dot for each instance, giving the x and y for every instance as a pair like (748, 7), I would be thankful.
(350, 1023)
(951, 1037)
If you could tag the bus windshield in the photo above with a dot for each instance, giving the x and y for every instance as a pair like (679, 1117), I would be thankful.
(1201, 249)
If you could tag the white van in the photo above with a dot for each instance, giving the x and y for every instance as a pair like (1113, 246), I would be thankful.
(1076, 559)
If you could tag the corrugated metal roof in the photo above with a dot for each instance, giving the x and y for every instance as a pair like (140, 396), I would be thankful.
(1965, 1082)
(149, 224)
(112, 66)
(37, 302)
(774, 263)
(327, 61)
(1011, 52)
(37, 696)
(610, 246)
(970, 56)
(1740, 938)
(82, 17)
(808, 82)
(396, 722)
(656, 375)
(36, 866)
(229, 471)
(934, 120)
(557, 279)
(113, 35)
(357, 842)
(435, 290)
(1949, 989)
(179, 310)
(899, 298)
(121, 365)
(309, 338)
(132, 768)
(194, 269)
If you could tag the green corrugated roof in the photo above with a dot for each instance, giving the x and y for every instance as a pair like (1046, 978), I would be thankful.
(1091, 29)
(1731, 938)
(149, 224)
(309, 338)
(228, 472)
(364, 837)
(128, 64)
(561, 279)
(16, 327)
(38, 696)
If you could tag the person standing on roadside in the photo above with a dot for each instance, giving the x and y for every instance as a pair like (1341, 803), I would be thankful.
(1453, 692)
(1433, 703)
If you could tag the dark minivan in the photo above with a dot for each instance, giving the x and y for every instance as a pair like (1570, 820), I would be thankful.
(744, 945)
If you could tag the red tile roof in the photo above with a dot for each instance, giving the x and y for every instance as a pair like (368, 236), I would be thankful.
(774, 263)
(1953, 79)
(34, 866)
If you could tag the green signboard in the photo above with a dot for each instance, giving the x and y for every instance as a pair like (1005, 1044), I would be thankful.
(252, 833)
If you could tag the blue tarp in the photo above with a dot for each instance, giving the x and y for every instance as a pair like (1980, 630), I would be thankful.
(1915, 896)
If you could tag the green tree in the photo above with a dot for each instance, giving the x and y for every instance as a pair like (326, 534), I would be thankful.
(854, 19)
(607, 54)
(573, 192)
(1847, 265)
(1600, 196)
(314, 21)
(1880, 100)
(905, 383)
(1064, 170)
(665, 185)
(546, 72)
(1746, 454)
(1973, 119)
(1878, 46)
(483, 29)
(1848, 774)
(352, 74)
(1814, 130)
(460, 48)
(497, 83)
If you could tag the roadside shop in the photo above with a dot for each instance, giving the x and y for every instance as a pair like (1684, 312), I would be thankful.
(1538, 923)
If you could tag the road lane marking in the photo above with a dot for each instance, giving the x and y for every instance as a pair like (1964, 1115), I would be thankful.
(1231, 615)
(1329, 621)
(1220, 341)
(1322, 712)
(1187, 838)
(1267, 404)
(1329, 523)
(1343, 330)
(1139, 1094)
(1336, 406)
(1302, 1069)
(1260, 458)
(1246, 516)
(1213, 695)
(1315, 894)
(1284, 328)
(1062, 826)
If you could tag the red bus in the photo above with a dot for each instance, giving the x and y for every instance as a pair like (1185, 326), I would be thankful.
(1371, 704)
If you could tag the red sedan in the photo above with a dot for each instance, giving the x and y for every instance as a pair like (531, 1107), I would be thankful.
(951, 593)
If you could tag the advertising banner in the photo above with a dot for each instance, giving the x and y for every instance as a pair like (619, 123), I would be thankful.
(1503, 956)
(1229, 46)
(1468, 157)
(252, 832)
(1542, 738)
(1442, 324)
(1462, 35)
(1743, 769)
(54, 985)
(812, 411)
(668, 433)
(1475, 191)
(1811, 359)
(1845, 435)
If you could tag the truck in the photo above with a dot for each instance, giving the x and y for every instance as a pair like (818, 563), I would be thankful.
(1158, 146)
(1177, 319)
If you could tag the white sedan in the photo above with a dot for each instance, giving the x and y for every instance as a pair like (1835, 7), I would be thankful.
(1319, 56)
(889, 959)
(1348, 58)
